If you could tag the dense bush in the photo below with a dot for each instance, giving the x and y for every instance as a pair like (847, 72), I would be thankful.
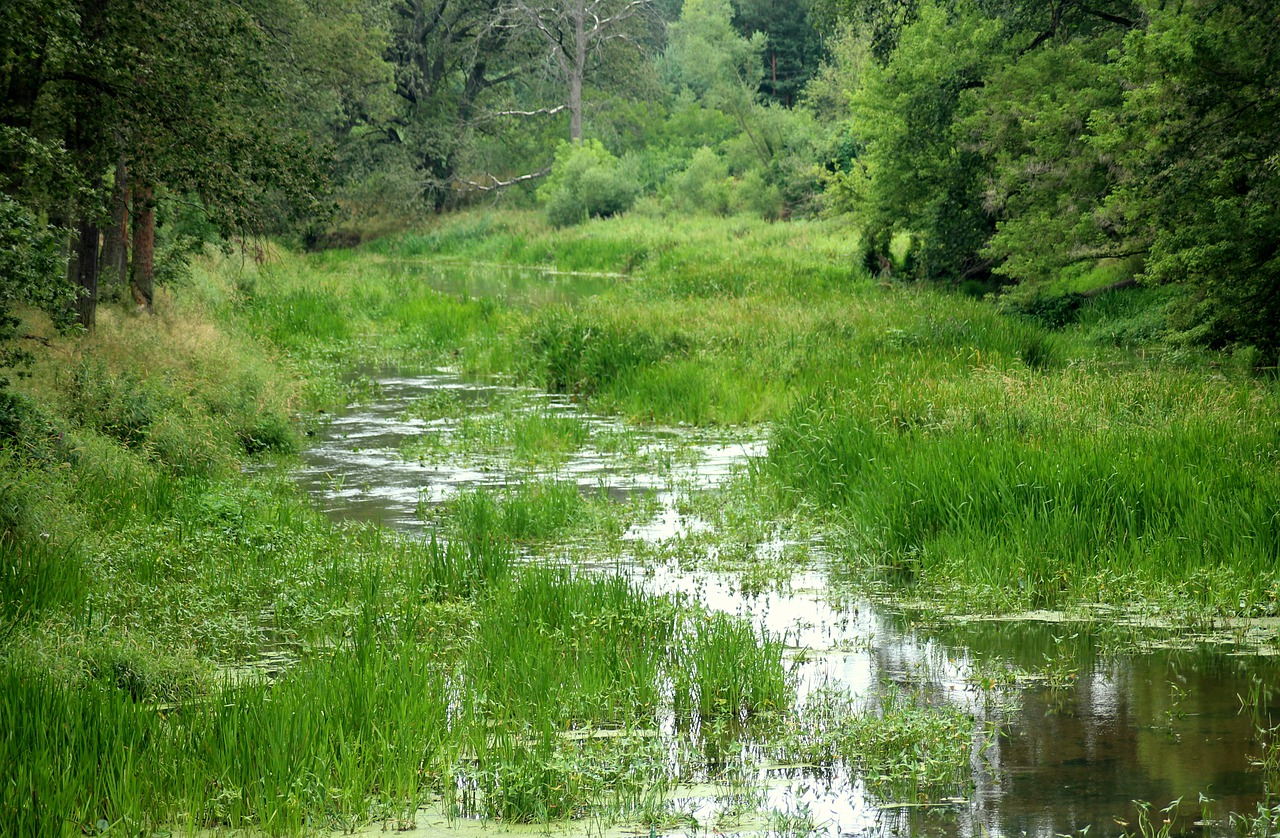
(703, 186)
(586, 182)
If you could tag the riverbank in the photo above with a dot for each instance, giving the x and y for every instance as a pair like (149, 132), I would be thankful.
(973, 456)
(189, 643)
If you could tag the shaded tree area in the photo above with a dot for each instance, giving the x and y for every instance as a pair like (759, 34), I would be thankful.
(793, 52)
(1027, 142)
(1043, 144)
(222, 112)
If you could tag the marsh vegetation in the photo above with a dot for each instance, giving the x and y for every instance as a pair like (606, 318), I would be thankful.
(621, 416)
(706, 539)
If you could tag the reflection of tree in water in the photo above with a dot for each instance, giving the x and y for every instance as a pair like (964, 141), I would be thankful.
(1150, 726)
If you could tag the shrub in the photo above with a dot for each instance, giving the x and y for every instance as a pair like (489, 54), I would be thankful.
(586, 182)
(703, 186)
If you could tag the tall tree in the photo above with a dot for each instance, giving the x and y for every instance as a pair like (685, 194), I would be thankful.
(192, 98)
(973, 126)
(1197, 142)
(722, 68)
(577, 34)
(446, 55)
(793, 51)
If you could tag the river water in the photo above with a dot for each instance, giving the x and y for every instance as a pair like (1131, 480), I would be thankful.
(1093, 716)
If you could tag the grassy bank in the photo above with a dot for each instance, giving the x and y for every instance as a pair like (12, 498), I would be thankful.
(185, 641)
(965, 453)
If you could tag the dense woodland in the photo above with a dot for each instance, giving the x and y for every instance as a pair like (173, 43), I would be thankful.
(1058, 145)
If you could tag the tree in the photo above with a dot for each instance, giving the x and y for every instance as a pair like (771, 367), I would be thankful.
(1049, 179)
(969, 136)
(577, 35)
(1196, 142)
(925, 179)
(446, 55)
(212, 101)
(723, 69)
(793, 49)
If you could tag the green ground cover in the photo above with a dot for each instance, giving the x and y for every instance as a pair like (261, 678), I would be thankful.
(185, 641)
(979, 454)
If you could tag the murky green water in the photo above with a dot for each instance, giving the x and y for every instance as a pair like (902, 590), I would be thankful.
(1092, 717)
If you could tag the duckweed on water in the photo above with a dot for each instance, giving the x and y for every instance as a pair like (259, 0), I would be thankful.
(905, 749)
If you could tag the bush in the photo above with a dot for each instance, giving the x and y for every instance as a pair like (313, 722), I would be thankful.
(586, 182)
(757, 196)
(703, 186)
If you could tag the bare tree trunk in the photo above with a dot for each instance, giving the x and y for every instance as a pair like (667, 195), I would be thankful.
(87, 273)
(114, 269)
(142, 280)
(577, 69)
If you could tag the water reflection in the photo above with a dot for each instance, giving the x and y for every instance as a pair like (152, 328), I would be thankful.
(1096, 728)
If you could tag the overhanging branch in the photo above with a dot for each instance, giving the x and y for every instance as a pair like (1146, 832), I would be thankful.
(497, 184)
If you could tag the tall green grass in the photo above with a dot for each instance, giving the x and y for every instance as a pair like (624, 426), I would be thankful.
(972, 450)
(388, 719)
(1087, 487)
(186, 644)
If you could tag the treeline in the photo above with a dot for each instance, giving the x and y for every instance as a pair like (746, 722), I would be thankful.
(1032, 141)
(1052, 144)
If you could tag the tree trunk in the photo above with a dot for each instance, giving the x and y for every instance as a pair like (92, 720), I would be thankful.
(70, 249)
(577, 69)
(114, 270)
(141, 283)
(87, 273)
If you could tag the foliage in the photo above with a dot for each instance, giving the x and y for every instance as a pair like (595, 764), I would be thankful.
(704, 185)
(1047, 186)
(1196, 139)
(586, 182)
(923, 179)
(30, 273)
(771, 155)
(1036, 143)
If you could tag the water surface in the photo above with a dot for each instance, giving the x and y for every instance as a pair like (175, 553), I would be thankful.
(1088, 721)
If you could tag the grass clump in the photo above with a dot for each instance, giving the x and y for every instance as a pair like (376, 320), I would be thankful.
(733, 671)
(528, 512)
(1046, 493)
(904, 748)
(514, 436)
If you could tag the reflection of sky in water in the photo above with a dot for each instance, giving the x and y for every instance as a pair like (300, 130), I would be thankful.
(1149, 727)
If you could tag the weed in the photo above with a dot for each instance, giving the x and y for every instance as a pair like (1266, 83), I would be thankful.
(904, 749)
(1153, 823)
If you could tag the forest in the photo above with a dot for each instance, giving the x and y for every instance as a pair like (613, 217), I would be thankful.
(610, 417)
